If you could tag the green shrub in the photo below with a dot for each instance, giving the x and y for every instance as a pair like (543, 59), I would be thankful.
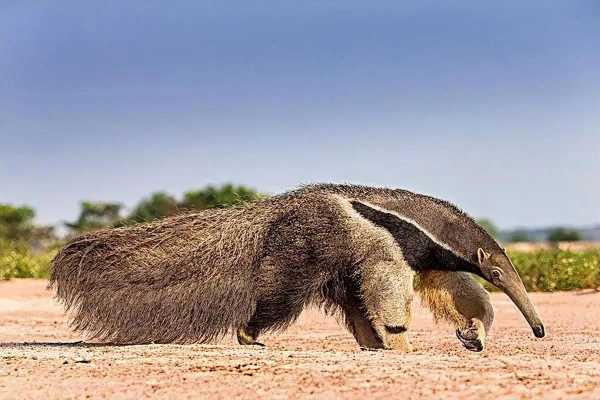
(563, 235)
(552, 270)
(17, 262)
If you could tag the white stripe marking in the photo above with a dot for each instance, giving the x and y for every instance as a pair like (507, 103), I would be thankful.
(410, 221)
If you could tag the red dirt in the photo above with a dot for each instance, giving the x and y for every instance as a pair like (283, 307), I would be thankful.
(315, 358)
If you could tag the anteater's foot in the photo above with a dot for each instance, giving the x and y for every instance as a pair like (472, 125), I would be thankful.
(472, 337)
(470, 344)
(247, 338)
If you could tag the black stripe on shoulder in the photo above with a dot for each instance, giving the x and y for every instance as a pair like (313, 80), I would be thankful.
(399, 228)
(418, 249)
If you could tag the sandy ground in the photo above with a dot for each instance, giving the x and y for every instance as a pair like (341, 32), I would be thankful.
(315, 358)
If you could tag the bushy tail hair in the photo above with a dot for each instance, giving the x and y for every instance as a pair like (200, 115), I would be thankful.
(187, 278)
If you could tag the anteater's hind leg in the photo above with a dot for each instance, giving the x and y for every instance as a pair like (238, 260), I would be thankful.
(247, 335)
(456, 297)
(271, 314)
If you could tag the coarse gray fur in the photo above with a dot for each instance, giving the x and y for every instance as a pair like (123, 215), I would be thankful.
(253, 268)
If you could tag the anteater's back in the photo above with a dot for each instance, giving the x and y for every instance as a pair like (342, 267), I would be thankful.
(181, 279)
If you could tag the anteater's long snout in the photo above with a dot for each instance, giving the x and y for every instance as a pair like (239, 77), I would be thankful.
(517, 293)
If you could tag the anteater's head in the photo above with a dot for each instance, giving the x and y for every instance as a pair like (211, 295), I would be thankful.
(486, 258)
(435, 234)
(495, 266)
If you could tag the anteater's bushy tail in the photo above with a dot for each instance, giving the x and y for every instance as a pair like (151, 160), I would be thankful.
(187, 278)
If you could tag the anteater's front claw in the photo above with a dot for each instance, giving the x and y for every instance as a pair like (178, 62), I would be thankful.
(470, 343)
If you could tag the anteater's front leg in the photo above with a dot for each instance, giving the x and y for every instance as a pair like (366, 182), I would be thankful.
(386, 292)
(456, 297)
(359, 324)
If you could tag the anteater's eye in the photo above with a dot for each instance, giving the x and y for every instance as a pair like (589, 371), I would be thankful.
(496, 274)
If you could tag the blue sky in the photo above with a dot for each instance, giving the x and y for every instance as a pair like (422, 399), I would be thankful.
(493, 106)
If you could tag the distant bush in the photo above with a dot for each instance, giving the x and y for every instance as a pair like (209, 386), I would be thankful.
(158, 205)
(563, 235)
(219, 197)
(20, 262)
(95, 215)
(518, 236)
(98, 215)
(16, 222)
(23, 246)
(553, 270)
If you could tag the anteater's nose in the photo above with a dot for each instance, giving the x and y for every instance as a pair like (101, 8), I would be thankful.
(538, 331)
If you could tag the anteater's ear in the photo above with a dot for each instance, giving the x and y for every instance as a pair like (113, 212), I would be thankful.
(482, 255)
